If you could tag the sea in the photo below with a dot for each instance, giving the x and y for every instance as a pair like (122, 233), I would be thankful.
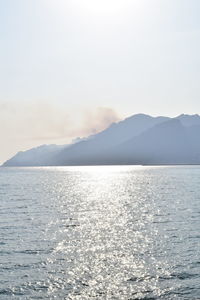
(100, 232)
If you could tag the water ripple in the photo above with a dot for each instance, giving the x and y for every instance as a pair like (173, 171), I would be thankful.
(100, 233)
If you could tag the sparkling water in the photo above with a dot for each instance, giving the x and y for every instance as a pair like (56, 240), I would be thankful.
(108, 232)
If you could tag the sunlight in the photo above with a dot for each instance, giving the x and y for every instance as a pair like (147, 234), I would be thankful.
(110, 6)
(97, 7)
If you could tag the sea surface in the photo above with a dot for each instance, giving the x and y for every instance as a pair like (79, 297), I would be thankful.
(109, 232)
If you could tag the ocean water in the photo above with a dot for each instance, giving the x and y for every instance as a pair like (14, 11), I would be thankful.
(109, 232)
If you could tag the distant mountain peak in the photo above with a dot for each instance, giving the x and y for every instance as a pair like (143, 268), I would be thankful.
(139, 115)
(189, 120)
(188, 116)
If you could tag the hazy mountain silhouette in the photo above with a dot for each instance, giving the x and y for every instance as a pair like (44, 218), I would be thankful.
(39, 156)
(166, 143)
(189, 120)
(140, 139)
(91, 151)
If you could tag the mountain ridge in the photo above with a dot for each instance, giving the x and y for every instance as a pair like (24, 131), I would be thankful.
(138, 139)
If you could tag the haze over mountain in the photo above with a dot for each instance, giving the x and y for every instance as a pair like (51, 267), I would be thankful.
(139, 139)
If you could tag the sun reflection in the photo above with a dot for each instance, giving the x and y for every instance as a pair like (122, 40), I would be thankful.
(100, 215)
(104, 232)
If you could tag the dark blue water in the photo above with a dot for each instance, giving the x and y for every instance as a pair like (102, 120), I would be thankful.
(100, 233)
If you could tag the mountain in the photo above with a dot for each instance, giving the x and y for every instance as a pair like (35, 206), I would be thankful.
(39, 156)
(90, 151)
(166, 143)
(139, 139)
(189, 120)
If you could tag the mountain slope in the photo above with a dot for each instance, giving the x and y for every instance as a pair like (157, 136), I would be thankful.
(166, 143)
(89, 152)
(140, 139)
(39, 156)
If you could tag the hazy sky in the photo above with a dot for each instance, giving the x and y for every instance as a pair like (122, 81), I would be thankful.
(70, 67)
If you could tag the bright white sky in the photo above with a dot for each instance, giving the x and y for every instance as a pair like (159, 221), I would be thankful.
(70, 67)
